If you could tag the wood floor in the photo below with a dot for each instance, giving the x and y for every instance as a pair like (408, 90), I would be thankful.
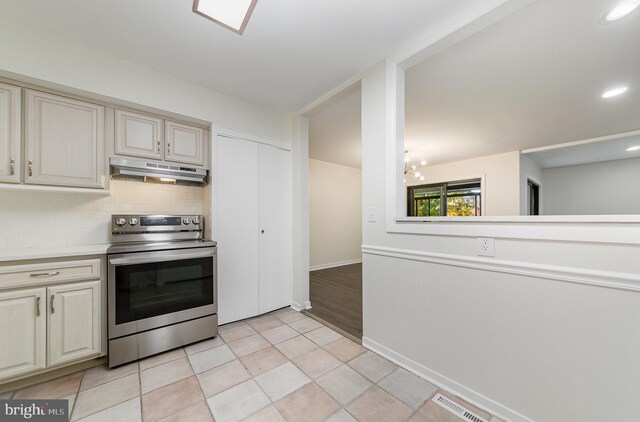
(336, 297)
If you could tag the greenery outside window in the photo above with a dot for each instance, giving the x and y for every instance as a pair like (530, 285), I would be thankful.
(450, 199)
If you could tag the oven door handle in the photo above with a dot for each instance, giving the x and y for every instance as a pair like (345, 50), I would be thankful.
(151, 257)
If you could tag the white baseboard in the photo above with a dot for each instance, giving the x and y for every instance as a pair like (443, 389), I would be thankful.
(335, 264)
(298, 307)
(445, 383)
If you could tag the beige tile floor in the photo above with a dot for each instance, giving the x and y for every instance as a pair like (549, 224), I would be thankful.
(282, 366)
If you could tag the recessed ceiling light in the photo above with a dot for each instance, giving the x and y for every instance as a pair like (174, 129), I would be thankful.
(614, 92)
(634, 148)
(622, 10)
(232, 14)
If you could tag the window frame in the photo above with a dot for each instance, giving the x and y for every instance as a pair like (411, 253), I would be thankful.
(444, 195)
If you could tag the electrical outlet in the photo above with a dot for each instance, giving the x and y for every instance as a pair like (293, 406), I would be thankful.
(486, 246)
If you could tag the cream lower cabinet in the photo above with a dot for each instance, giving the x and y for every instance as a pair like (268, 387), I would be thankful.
(24, 331)
(48, 326)
(73, 322)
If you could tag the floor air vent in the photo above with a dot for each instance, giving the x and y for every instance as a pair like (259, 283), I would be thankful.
(456, 409)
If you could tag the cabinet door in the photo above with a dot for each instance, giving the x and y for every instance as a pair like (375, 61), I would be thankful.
(23, 328)
(184, 143)
(9, 133)
(236, 228)
(65, 141)
(138, 135)
(74, 322)
(275, 228)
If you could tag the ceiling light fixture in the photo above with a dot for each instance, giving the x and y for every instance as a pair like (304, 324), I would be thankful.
(614, 92)
(622, 10)
(634, 148)
(232, 14)
(411, 168)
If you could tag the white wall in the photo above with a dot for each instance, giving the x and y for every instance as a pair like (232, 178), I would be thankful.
(32, 56)
(39, 219)
(36, 57)
(335, 222)
(544, 331)
(501, 188)
(300, 188)
(609, 187)
(528, 171)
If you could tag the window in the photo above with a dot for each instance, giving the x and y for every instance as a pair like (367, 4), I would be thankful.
(450, 199)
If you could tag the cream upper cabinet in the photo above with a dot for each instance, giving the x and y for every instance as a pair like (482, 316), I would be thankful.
(138, 135)
(184, 143)
(23, 328)
(74, 322)
(64, 141)
(10, 129)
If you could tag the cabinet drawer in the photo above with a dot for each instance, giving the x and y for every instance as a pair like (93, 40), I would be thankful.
(48, 273)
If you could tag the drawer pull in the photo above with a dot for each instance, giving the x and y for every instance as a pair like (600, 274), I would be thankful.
(49, 274)
(52, 298)
(38, 307)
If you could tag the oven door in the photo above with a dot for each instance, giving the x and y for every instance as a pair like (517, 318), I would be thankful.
(147, 290)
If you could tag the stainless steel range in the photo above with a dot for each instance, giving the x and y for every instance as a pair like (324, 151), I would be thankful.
(161, 285)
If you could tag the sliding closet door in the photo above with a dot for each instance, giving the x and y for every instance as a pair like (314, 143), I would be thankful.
(275, 228)
(236, 212)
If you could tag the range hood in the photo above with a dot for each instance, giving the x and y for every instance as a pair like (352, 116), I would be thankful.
(141, 171)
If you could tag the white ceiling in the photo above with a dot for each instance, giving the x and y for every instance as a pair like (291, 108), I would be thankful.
(335, 128)
(533, 79)
(292, 52)
(592, 152)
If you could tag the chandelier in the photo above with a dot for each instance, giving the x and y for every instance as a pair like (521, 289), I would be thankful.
(411, 169)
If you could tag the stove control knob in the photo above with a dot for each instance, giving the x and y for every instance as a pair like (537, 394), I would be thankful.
(133, 221)
(186, 221)
(196, 220)
(121, 222)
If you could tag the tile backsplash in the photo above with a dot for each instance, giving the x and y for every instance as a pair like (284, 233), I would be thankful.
(48, 219)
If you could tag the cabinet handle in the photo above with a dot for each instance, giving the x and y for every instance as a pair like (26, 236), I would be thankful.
(158, 147)
(169, 148)
(52, 298)
(49, 274)
(30, 167)
(38, 306)
(12, 170)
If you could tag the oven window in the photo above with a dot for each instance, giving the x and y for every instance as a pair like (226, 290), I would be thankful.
(153, 289)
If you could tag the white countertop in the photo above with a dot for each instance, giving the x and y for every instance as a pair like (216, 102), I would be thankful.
(52, 252)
